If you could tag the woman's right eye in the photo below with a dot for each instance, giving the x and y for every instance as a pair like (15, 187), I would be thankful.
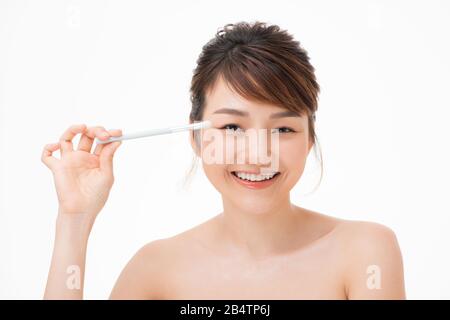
(232, 128)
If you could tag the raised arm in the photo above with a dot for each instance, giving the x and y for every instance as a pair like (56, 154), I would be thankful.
(83, 181)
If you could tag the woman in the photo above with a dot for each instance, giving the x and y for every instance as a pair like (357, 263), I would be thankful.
(262, 246)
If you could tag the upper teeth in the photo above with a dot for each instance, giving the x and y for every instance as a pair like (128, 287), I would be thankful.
(255, 177)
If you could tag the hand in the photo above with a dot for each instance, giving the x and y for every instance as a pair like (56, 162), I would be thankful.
(82, 179)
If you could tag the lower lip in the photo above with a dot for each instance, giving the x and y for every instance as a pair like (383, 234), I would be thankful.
(255, 184)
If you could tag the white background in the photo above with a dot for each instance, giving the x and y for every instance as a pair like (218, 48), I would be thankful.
(383, 68)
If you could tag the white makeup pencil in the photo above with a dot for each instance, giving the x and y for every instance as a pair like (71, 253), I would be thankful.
(154, 132)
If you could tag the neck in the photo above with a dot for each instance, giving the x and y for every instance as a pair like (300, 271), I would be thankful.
(260, 234)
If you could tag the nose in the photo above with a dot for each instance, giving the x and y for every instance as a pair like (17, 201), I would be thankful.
(256, 147)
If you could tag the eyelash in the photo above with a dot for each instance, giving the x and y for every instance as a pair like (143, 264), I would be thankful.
(235, 125)
(229, 125)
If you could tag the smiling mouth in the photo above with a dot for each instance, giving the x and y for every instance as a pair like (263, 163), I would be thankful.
(254, 178)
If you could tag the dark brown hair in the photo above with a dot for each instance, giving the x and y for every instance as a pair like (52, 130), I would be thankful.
(261, 63)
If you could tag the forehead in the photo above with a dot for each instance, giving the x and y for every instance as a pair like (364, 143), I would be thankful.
(221, 95)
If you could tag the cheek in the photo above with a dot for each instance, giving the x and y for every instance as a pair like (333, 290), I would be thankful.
(293, 155)
(216, 174)
(213, 146)
(220, 148)
(214, 152)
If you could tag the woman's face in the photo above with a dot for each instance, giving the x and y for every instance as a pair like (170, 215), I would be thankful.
(254, 153)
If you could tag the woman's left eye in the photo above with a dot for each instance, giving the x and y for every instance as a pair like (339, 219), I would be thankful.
(283, 130)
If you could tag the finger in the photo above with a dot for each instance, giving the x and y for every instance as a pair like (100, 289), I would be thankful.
(67, 136)
(87, 139)
(107, 155)
(113, 133)
(47, 158)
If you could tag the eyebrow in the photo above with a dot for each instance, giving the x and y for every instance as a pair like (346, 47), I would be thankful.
(277, 115)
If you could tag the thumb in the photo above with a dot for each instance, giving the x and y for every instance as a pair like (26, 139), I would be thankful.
(107, 154)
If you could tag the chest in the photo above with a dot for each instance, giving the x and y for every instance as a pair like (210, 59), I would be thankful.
(305, 276)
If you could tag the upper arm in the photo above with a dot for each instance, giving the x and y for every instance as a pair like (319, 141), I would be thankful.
(374, 263)
(141, 277)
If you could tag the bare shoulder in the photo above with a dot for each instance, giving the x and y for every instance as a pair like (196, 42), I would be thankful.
(365, 233)
(348, 230)
(373, 260)
(147, 272)
(369, 256)
(144, 275)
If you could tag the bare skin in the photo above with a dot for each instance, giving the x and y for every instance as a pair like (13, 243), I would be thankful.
(328, 261)
(260, 247)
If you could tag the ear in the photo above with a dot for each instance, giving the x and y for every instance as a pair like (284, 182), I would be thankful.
(311, 144)
(194, 144)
